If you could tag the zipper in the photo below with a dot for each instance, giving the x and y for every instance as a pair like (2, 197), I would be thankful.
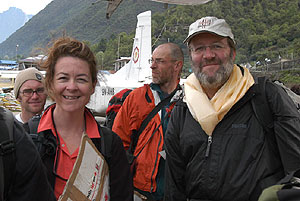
(209, 142)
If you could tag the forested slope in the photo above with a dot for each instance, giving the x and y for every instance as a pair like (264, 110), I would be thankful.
(262, 28)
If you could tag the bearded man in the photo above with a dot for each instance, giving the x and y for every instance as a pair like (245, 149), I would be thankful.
(216, 148)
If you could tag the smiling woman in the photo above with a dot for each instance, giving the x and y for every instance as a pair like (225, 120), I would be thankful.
(70, 81)
(72, 84)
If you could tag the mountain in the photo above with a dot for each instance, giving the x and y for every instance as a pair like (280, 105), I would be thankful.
(264, 30)
(80, 19)
(11, 20)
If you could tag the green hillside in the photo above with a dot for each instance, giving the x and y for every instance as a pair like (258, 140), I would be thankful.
(262, 28)
(77, 18)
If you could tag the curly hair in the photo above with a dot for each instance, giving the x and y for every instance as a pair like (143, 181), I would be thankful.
(63, 47)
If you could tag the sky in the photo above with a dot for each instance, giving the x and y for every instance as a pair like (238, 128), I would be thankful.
(30, 7)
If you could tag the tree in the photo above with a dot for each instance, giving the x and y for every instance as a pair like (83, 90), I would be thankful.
(101, 46)
(100, 60)
(262, 28)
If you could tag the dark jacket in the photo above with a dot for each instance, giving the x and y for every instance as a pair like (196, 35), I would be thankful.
(242, 160)
(30, 180)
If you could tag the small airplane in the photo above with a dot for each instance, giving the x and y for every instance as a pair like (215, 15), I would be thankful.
(135, 73)
(113, 4)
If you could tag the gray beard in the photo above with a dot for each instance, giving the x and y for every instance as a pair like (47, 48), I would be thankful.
(218, 80)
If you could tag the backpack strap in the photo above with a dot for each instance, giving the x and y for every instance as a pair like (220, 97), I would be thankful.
(114, 105)
(38, 139)
(7, 152)
(125, 95)
(135, 135)
(33, 123)
(260, 104)
(46, 144)
(104, 143)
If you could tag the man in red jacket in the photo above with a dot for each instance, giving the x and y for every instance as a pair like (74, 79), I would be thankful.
(166, 65)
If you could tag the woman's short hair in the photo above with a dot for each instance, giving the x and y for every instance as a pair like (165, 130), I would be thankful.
(63, 47)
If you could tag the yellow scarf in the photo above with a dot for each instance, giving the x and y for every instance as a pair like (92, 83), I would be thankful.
(210, 112)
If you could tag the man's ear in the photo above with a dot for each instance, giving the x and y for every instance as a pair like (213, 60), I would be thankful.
(178, 66)
(233, 55)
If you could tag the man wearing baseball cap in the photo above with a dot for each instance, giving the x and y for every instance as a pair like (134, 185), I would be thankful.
(216, 148)
(30, 92)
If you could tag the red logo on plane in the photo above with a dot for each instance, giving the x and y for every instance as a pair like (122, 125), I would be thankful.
(136, 54)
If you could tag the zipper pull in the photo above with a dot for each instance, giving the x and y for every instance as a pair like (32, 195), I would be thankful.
(209, 141)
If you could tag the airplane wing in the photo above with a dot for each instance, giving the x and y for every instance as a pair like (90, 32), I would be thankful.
(113, 4)
(111, 7)
(183, 2)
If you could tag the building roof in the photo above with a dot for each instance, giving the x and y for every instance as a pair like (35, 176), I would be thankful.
(35, 59)
(8, 62)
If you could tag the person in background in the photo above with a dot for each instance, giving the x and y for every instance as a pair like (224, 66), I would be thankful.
(216, 148)
(30, 92)
(71, 77)
(167, 62)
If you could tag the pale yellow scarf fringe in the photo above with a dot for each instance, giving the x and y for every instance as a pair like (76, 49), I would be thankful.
(210, 112)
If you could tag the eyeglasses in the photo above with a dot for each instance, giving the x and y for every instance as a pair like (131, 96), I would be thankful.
(215, 47)
(160, 61)
(30, 92)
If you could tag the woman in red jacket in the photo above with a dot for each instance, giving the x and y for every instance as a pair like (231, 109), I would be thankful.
(70, 80)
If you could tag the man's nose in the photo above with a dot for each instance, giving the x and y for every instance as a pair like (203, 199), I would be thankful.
(153, 64)
(208, 53)
(35, 95)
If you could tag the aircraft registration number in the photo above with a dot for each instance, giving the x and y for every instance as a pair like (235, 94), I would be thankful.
(108, 91)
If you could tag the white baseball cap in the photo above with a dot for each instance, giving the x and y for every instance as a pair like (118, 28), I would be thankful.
(209, 24)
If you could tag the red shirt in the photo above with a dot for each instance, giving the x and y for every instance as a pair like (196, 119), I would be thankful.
(65, 161)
